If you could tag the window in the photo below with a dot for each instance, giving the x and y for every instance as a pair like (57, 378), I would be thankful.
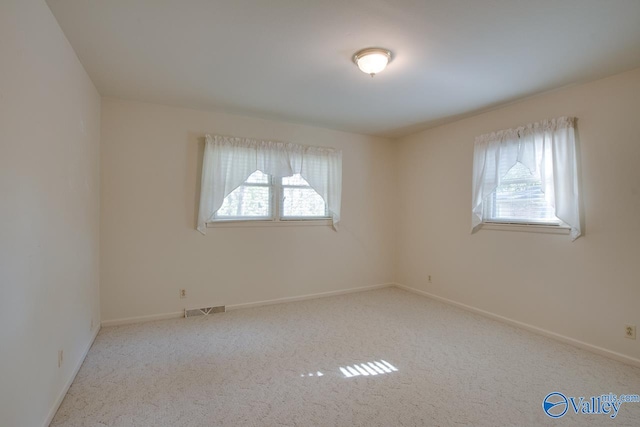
(527, 176)
(310, 190)
(519, 200)
(251, 200)
(299, 201)
(254, 200)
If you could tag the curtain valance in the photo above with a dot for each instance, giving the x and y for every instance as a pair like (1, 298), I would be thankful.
(229, 161)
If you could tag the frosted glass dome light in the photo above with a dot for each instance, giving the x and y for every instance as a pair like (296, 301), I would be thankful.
(372, 60)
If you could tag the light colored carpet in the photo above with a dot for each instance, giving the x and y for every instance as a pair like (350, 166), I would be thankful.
(251, 368)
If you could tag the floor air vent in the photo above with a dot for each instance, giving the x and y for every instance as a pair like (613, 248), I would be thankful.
(204, 311)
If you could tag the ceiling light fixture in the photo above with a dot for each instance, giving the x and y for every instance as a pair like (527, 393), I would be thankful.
(372, 60)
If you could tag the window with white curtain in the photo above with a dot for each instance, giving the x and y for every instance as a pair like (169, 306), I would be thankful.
(519, 199)
(257, 180)
(527, 176)
(253, 199)
(294, 199)
(298, 200)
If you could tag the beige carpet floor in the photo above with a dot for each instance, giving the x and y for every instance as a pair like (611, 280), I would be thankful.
(304, 364)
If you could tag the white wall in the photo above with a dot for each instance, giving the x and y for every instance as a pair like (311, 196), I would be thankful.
(151, 158)
(49, 211)
(586, 290)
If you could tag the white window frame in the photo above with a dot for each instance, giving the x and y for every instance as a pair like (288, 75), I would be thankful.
(490, 223)
(276, 201)
(529, 226)
(526, 227)
(279, 208)
(268, 185)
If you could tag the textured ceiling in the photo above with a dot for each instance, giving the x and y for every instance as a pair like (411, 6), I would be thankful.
(291, 59)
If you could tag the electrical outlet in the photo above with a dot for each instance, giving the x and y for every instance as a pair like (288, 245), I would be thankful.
(183, 293)
(430, 279)
(630, 331)
(60, 358)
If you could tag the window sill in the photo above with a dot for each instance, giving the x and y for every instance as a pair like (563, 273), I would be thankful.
(527, 228)
(271, 223)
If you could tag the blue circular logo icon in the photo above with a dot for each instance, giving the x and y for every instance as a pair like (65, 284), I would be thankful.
(555, 404)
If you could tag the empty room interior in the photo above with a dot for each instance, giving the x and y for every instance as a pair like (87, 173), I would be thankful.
(330, 213)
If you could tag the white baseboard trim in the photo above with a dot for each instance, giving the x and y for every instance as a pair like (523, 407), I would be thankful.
(558, 337)
(141, 319)
(308, 296)
(178, 314)
(65, 389)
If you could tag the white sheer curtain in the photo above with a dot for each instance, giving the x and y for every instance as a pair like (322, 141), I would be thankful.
(547, 149)
(229, 161)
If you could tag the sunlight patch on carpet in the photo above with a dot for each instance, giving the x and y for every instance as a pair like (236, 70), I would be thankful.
(369, 368)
